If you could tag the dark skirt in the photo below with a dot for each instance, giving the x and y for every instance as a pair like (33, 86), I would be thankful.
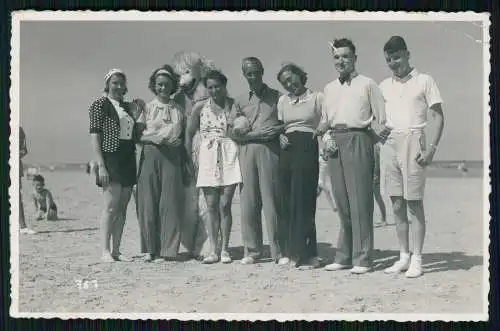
(121, 165)
(299, 171)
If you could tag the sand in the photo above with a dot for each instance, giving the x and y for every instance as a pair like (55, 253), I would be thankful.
(65, 254)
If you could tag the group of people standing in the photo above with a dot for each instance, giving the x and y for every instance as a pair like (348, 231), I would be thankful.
(270, 146)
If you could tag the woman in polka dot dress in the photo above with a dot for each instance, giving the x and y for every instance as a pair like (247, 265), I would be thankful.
(112, 130)
(160, 180)
(219, 169)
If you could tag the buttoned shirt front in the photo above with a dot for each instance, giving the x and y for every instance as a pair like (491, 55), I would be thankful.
(353, 103)
(408, 99)
(126, 121)
(259, 108)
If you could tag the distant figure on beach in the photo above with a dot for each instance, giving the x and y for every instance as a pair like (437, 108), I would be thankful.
(324, 182)
(410, 96)
(376, 186)
(45, 207)
(113, 131)
(23, 150)
(462, 168)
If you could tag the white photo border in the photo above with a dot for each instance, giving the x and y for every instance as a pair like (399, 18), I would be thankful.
(133, 15)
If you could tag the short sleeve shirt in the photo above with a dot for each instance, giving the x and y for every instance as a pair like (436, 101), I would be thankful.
(302, 113)
(408, 99)
(260, 109)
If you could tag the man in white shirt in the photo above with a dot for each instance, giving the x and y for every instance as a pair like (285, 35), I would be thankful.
(409, 96)
(352, 103)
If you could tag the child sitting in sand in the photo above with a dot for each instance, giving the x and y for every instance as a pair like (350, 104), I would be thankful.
(45, 207)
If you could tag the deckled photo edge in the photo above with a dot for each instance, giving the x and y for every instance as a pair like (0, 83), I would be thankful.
(31, 15)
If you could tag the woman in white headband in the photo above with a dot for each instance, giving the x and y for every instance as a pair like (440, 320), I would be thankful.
(160, 179)
(112, 130)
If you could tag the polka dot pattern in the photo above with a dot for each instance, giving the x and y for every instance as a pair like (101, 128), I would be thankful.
(101, 122)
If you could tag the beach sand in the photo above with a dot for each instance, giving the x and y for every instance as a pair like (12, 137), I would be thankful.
(67, 251)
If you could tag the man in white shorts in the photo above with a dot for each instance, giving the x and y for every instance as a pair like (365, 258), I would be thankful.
(409, 96)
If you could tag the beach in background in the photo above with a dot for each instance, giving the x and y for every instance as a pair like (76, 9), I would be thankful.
(65, 254)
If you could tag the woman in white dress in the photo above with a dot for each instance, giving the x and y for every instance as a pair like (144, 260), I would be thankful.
(219, 169)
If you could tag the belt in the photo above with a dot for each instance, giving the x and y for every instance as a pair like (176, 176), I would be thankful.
(344, 128)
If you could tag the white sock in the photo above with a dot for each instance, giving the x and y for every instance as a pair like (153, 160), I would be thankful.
(417, 257)
(403, 256)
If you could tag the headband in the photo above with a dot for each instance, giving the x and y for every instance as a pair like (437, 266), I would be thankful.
(164, 72)
(111, 73)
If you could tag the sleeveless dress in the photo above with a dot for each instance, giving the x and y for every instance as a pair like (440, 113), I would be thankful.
(218, 154)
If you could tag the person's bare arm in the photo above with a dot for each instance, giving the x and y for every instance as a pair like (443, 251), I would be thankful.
(435, 131)
(192, 126)
(35, 202)
(23, 149)
(377, 104)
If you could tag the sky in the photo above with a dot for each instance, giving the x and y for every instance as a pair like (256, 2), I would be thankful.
(62, 65)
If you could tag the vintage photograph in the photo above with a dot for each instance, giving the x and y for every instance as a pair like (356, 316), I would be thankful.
(250, 165)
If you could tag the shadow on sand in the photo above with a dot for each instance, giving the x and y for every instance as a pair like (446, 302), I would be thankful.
(69, 230)
(433, 262)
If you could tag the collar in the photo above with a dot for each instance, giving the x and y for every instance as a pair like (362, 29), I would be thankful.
(260, 93)
(349, 79)
(410, 75)
(294, 100)
(115, 102)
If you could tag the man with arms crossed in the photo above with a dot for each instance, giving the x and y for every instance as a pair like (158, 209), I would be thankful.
(259, 161)
(409, 95)
(352, 104)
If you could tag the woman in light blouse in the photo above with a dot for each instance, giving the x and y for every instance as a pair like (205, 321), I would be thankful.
(112, 131)
(300, 112)
(159, 202)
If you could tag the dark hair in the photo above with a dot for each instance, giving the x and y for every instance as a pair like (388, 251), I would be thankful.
(215, 75)
(171, 75)
(253, 60)
(106, 84)
(295, 69)
(39, 178)
(395, 44)
(344, 42)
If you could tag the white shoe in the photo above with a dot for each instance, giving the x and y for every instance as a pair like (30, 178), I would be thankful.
(336, 266)
(399, 266)
(27, 231)
(360, 270)
(248, 260)
(415, 269)
(283, 261)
